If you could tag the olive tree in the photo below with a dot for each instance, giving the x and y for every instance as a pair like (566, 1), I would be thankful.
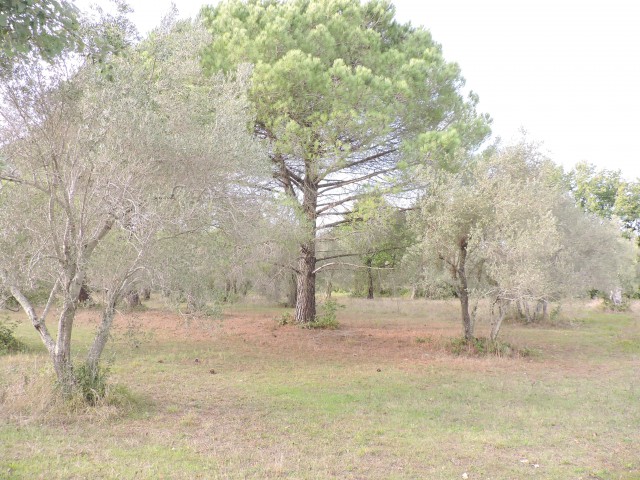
(504, 229)
(99, 170)
(341, 90)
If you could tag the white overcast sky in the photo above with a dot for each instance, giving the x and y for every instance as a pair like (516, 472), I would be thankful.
(566, 71)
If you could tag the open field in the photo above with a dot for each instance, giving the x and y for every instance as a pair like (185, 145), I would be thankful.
(379, 398)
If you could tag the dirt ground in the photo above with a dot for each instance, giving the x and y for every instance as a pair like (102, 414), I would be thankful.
(383, 335)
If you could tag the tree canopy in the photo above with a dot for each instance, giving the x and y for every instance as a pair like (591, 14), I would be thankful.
(342, 92)
(502, 228)
(45, 27)
(103, 171)
(606, 194)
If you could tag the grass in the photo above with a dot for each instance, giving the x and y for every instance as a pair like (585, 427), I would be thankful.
(369, 400)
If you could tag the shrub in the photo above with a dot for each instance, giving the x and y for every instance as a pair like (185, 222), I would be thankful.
(284, 319)
(609, 305)
(8, 342)
(91, 383)
(327, 318)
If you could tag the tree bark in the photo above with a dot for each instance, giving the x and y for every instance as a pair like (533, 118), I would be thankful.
(467, 324)
(85, 294)
(145, 293)
(102, 335)
(496, 321)
(306, 274)
(132, 299)
(227, 290)
(37, 322)
(306, 284)
(369, 280)
(62, 355)
(527, 311)
(463, 291)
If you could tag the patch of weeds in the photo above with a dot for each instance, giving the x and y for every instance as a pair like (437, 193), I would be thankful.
(610, 306)
(189, 419)
(117, 401)
(630, 345)
(91, 382)
(8, 342)
(134, 335)
(120, 396)
(284, 319)
(423, 340)
(482, 347)
(327, 319)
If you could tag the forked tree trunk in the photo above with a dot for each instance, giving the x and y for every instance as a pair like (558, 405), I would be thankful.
(62, 355)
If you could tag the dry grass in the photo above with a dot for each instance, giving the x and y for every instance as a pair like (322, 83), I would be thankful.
(378, 398)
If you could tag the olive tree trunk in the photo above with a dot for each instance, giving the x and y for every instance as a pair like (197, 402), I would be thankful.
(498, 317)
(463, 290)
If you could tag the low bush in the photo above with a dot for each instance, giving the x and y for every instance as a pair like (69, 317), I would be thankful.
(284, 319)
(8, 342)
(91, 383)
(327, 319)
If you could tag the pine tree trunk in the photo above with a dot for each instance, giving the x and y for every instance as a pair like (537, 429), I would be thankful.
(306, 275)
(306, 285)
(369, 280)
